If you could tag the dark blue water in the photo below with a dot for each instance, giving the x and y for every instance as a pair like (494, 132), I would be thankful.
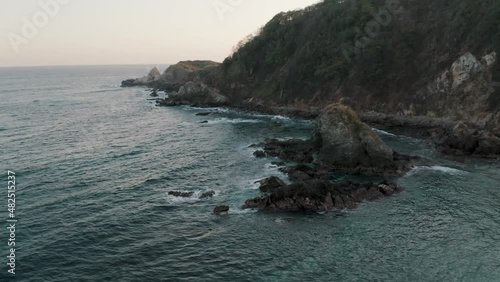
(94, 163)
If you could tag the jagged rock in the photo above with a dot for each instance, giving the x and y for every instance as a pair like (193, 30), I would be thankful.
(221, 209)
(461, 139)
(320, 196)
(208, 194)
(152, 77)
(195, 94)
(269, 184)
(294, 150)
(203, 114)
(259, 154)
(348, 143)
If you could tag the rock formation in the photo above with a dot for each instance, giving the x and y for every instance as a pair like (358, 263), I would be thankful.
(346, 142)
(195, 94)
(151, 78)
(321, 196)
(341, 142)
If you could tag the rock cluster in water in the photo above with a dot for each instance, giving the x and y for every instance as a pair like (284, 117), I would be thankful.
(341, 143)
(320, 195)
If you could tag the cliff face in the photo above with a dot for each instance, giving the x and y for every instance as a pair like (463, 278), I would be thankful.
(402, 57)
(406, 57)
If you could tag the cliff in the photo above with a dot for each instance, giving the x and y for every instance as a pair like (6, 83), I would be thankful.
(408, 58)
(437, 60)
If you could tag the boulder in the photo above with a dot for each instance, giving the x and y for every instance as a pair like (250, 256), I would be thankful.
(259, 154)
(221, 209)
(269, 184)
(346, 142)
(208, 194)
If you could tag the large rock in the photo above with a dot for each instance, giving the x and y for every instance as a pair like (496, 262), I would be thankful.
(221, 210)
(151, 78)
(346, 142)
(461, 139)
(269, 184)
(195, 94)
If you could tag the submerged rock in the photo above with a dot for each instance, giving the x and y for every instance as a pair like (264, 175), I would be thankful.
(181, 194)
(208, 194)
(221, 209)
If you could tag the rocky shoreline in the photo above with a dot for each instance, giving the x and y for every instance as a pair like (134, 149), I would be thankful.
(342, 142)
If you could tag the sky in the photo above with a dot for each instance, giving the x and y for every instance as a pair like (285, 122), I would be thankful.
(108, 32)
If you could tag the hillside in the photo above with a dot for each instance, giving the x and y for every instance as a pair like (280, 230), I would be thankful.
(407, 57)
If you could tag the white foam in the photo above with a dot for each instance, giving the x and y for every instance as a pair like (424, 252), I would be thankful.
(241, 211)
(443, 169)
(212, 110)
(173, 200)
(280, 118)
(381, 132)
(232, 121)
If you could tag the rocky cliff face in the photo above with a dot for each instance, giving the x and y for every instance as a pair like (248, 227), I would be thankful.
(464, 91)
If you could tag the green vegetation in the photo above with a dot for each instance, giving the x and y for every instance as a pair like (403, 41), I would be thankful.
(321, 52)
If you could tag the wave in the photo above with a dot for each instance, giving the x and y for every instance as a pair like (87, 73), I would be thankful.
(174, 200)
(213, 109)
(241, 211)
(382, 132)
(437, 168)
(232, 121)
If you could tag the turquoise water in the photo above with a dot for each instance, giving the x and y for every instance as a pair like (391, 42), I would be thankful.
(94, 163)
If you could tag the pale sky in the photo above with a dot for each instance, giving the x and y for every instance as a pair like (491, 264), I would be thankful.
(102, 32)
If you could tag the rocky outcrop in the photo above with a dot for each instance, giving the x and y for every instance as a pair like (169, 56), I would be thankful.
(463, 92)
(346, 142)
(174, 76)
(321, 196)
(450, 137)
(461, 140)
(293, 150)
(269, 184)
(195, 94)
(183, 72)
(221, 210)
(151, 78)
(341, 142)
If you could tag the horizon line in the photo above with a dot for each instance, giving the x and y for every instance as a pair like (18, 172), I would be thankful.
(88, 65)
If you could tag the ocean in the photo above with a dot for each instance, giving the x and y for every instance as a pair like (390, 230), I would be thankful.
(94, 163)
